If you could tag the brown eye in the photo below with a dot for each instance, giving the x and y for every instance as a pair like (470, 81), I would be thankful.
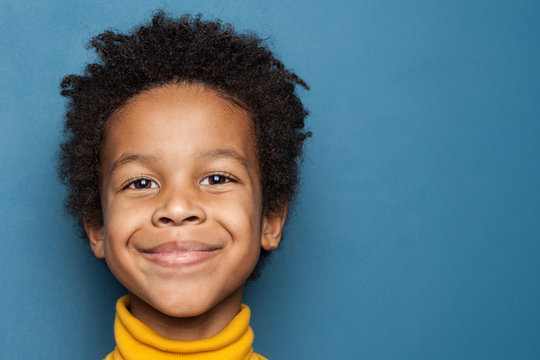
(142, 184)
(215, 180)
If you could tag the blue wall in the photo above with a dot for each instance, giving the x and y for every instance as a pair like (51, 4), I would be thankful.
(417, 231)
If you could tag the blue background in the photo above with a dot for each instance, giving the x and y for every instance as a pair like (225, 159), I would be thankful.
(417, 230)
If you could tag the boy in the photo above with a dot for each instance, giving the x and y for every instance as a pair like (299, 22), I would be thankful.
(180, 160)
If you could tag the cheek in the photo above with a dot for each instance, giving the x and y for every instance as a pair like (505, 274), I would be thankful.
(123, 209)
(120, 223)
(241, 214)
(121, 219)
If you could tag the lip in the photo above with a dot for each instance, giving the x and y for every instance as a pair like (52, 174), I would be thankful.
(180, 253)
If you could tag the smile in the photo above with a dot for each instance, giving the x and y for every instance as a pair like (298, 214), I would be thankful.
(180, 254)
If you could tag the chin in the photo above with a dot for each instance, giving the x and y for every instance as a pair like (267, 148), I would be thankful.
(176, 305)
(184, 310)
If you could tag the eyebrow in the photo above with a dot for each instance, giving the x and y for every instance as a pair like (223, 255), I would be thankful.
(129, 157)
(225, 153)
(149, 158)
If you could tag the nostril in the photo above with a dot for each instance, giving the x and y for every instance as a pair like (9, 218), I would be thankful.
(165, 220)
(168, 221)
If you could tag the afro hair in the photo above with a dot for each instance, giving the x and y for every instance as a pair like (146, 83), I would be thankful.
(239, 67)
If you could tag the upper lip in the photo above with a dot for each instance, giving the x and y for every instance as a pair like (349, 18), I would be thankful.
(178, 246)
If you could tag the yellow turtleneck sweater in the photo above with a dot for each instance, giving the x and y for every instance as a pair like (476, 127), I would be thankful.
(136, 341)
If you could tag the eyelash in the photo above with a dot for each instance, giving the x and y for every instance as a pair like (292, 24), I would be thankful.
(132, 184)
(227, 178)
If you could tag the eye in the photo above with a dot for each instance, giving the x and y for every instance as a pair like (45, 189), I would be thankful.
(216, 179)
(142, 184)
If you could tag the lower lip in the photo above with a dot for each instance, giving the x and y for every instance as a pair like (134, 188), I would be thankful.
(178, 258)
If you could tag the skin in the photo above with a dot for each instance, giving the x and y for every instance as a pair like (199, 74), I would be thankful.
(179, 171)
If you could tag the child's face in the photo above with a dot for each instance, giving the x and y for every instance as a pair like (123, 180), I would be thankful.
(181, 197)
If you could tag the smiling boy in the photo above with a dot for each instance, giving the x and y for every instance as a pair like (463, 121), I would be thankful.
(182, 208)
(180, 158)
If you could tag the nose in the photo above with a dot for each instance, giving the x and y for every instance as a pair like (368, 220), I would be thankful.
(178, 206)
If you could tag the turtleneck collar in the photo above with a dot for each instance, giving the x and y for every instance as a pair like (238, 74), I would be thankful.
(136, 341)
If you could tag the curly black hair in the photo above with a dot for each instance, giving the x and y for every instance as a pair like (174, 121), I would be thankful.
(237, 66)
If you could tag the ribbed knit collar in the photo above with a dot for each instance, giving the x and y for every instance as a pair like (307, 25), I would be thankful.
(136, 341)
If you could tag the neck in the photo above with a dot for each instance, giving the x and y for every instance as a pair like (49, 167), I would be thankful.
(197, 327)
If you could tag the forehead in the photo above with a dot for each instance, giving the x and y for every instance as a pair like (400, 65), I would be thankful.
(206, 109)
(182, 119)
(179, 96)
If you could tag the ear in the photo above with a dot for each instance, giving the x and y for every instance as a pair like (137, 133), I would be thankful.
(272, 227)
(96, 235)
